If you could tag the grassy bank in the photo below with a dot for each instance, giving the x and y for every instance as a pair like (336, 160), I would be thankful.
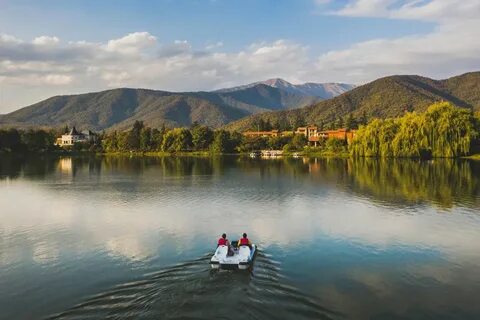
(162, 154)
(326, 154)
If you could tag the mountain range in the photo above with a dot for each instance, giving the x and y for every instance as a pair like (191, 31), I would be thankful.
(321, 90)
(119, 108)
(383, 98)
(239, 108)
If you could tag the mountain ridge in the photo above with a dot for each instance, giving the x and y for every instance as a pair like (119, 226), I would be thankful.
(385, 97)
(325, 90)
(119, 108)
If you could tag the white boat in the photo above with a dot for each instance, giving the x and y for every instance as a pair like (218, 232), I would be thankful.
(242, 257)
(255, 154)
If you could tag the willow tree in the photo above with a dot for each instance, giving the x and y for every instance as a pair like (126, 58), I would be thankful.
(374, 139)
(410, 140)
(449, 130)
(442, 131)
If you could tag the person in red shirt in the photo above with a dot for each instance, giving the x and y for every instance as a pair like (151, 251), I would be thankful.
(223, 241)
(244, 241)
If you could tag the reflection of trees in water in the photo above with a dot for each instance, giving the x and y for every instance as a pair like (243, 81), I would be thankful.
(443, 182)
(281, 166)
(33, 167)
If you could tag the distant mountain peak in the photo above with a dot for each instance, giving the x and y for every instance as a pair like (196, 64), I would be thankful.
(309, 89)
(276, 82)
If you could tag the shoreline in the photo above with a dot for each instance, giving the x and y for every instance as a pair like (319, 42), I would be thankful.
(206, 154)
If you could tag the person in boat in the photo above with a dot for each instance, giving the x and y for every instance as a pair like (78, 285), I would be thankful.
(223, 241)
(244, 241)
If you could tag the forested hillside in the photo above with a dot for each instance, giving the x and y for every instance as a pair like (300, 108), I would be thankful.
(383, 98)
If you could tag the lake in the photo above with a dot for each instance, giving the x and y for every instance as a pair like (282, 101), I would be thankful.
(131, 238)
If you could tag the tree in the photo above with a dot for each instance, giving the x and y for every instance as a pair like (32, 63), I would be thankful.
(167, 141)
(10, 140)
(363, 119)
(36, 140)
(443, 131)
(179, 139)
(202, 137)
(275, 143)
(137, 127)
(146, 139)
(298, 121)
(336, 145)
(321, 125)
(110, 142)
(298, 142)
(340, 122)
(250, 144)
(282, 123)
(221, 142)
(351, 122)
(156, 139)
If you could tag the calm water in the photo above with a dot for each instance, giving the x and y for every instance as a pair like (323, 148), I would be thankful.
(131, 238)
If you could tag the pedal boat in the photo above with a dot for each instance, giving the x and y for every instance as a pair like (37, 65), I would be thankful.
(242, 257)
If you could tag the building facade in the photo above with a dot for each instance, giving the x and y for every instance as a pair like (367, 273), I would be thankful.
(342, 134)
(73, 136)
(313, 135)
(252, 134)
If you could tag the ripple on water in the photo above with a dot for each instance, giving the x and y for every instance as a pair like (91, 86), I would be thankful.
(192, 290)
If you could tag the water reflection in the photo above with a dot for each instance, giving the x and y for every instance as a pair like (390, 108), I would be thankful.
(400, 182)
(94, 237)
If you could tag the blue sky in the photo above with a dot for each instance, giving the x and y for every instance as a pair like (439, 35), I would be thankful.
(236, 23)
(56, 47)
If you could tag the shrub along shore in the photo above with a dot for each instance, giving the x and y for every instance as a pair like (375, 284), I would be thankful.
(444, 130)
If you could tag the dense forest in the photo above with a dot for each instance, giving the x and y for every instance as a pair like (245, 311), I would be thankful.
(388, 97)
(19, 141)
(197, 138)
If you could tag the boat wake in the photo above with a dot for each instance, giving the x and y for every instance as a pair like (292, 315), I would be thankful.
(192, 290)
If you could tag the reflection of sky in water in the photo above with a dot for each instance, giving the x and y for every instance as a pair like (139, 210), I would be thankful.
(80, 232)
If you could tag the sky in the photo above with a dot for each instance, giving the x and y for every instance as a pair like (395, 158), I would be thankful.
(53, 47)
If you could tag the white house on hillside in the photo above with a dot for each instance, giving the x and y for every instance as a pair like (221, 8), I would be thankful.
(72, 137)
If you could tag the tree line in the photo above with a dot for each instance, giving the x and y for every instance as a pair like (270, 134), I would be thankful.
(444, 130)
(284, 123)
(33, 140)
(196, 138)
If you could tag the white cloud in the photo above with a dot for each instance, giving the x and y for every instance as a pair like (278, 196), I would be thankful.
(57, 79)
(450, 49)
(432, 10)
(45, 40)
(5, 38)
(46, 66)
(131, 43)
(370, 8)
(219, 44)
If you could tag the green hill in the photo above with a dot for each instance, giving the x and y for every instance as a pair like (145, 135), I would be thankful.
(382, 98)
(119, 108)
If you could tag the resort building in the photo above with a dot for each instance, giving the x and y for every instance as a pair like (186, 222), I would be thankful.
(252, 134)
(72, 137)
(342, 134)
(309, 131)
